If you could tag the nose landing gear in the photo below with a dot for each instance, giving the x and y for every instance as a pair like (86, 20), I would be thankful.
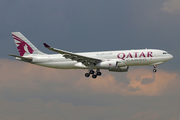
(154, 70)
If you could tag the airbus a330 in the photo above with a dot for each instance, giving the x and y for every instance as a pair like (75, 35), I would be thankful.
(115, 61)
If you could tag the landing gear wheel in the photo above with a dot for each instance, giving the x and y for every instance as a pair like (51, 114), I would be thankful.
(91, 72)
(99, 73)
(87, 74)
(154, 70)
(94, 76)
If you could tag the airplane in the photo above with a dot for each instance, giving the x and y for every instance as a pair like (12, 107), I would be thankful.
(114, 61)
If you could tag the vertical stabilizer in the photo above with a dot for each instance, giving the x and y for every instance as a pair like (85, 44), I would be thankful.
(24, 46)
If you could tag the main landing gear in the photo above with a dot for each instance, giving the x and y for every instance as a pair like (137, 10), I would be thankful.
(94, 75)
(154, 70)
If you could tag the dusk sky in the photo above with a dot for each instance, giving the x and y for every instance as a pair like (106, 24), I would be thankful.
(33, 92)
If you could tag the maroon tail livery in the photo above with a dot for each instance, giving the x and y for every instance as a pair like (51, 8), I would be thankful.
(22, 46)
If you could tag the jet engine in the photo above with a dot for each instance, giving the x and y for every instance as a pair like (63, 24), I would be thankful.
(115, 66)
(120, 69)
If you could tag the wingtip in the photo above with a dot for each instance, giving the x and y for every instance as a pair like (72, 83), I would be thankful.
(46, 45)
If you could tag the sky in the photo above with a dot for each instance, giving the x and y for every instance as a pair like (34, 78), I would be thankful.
(33, 92)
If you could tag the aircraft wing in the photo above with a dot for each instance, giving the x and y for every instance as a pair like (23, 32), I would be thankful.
(73, 56)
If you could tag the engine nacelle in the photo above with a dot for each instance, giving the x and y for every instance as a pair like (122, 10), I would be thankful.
(120, 69)
(115, 66)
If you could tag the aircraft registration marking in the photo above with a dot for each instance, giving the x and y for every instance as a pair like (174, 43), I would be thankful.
(101, 54)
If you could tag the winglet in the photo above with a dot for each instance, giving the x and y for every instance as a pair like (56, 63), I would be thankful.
(46, 45)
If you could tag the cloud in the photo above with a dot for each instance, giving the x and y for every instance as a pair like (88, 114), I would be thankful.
(20, 80)
(152, 115)
(34, 108)
(142, 82)
(132, 89)
(18, 76)
(171, 6)
(147, 80)
(34, 92)
(150, 84)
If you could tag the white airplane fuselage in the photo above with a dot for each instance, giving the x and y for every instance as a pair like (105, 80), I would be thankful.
(127, 57)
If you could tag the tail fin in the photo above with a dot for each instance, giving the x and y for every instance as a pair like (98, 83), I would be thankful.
(24, 46)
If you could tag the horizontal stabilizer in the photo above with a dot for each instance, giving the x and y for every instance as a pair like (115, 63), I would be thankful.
(22, 58)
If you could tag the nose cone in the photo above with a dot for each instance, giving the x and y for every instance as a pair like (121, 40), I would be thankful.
(170, 56)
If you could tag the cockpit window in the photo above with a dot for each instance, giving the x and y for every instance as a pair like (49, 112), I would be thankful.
(165, 53)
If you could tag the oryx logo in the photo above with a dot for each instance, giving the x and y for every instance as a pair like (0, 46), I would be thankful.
(22, 46)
